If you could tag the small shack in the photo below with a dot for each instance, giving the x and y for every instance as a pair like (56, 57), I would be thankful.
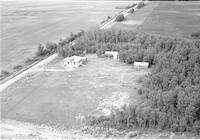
(141, 65)
(114, 54)
(74, 61)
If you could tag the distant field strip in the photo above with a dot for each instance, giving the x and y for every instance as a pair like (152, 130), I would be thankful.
(112, 22)
(133, 21)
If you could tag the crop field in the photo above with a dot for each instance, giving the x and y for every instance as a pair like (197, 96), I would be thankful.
(63, 98)
(26, 24)
(178, 19)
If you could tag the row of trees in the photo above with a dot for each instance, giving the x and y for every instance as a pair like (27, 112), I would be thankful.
(63, 47)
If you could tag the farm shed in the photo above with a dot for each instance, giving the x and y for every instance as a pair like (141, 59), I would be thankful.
(74, 61)
(141, 64)
(114, 54)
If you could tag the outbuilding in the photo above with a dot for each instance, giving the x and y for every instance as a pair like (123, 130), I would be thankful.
(114, 54)
(141, 64)
(74, 61)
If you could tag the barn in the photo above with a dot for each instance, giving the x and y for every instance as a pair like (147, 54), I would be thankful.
(114, 54)
(141, 64)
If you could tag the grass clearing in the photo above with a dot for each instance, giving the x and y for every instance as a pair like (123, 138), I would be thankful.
(58, 98)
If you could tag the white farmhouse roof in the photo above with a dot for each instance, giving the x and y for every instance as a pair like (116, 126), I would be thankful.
(111, 52)
(73, 58)
(74, 61)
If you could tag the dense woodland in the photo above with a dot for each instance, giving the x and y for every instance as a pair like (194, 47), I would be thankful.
(172, 90)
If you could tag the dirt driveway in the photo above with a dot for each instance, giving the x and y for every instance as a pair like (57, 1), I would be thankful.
(63, 98)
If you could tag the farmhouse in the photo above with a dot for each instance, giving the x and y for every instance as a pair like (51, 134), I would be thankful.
(114, 54)
(74, 61)
(141, 64)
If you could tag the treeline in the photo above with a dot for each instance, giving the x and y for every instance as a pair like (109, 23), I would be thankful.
(173, 87)
(171, 93)
(50, 47)
(196, 35)
(132, 46)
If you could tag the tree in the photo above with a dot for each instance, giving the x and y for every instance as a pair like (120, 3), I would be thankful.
(40, 51)
(120, 18)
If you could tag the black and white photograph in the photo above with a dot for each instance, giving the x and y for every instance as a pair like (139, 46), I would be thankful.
(99, 69)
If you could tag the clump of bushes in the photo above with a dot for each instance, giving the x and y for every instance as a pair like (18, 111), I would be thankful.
(120, 18)
(46, 50)
(131, 10)
(73, 36)
(4, 74)
(140, 4)
(18, 67)
(140, 91)
(196, 34)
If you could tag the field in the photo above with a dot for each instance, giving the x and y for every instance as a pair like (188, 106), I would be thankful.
(26, 24)
(178, 19)
(63, 98)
